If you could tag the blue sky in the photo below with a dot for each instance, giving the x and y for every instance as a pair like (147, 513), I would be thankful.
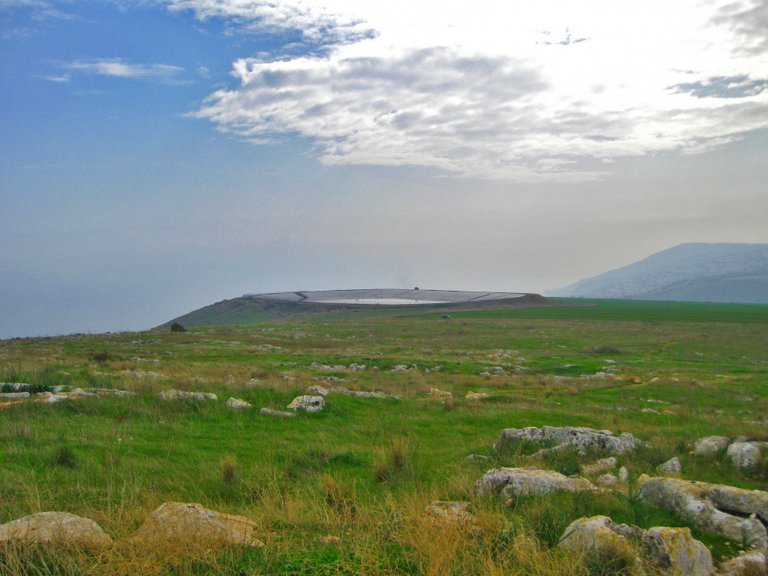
(157, 156)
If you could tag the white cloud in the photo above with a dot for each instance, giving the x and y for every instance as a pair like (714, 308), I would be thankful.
(118, 68)
(522, 91)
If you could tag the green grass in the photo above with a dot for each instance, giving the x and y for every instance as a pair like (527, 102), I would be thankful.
(363, 469)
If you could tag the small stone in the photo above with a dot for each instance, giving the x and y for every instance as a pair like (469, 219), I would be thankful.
(186, 395)
(238, 404)
(477, 396)
(278, 413)
(601, 466)
(607, 480)
(440, 394)
(623, 475)
(450, 511)
(671, 467)
(477, 458)
(317, 390)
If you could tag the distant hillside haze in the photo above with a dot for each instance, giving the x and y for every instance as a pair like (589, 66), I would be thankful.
(689, 272)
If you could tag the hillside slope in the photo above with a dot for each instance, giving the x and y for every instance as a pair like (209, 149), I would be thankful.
(250, 309)
(688, 272)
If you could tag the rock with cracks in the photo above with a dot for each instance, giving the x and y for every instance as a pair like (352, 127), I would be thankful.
(512, 483)
(745, 454)
(599, 535)
(675, 552)
(725, 510)
(55, 528)
(307, 403)
(583, 440)
(193, 525)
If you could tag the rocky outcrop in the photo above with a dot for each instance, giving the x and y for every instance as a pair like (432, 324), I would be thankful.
(307, 403)
(712, 508)
(711, 445)
(675, 552)
(512, 483)
(186, 395)
(583, 440)
(194, 525)
(55, 528)
(238, 404)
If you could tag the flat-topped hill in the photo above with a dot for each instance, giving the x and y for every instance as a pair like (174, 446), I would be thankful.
(258, 308)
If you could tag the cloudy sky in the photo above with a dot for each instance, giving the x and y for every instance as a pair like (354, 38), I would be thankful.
(160, 155)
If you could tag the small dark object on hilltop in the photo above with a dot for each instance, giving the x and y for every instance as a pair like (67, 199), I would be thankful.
(176, 327)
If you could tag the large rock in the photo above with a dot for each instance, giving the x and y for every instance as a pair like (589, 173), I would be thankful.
(186, 395)
(55, 528)
(307, 403)
(675, 552)
(752, 563)
(516, 482)
(583, 440)
(194, 525)
(710, 445)
(710, 506)
(600, 535)
(745, 454)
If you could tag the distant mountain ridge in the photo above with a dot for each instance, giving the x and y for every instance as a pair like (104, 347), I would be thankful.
(696, 272)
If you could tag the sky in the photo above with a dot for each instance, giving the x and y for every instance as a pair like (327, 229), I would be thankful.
(157, 156)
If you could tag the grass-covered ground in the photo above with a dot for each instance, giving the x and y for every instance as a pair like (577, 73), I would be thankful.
(343, 491)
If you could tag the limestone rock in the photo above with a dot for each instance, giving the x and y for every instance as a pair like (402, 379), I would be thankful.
(744, 454)
(450, 512)
(238, 404)
(676, 552)
(307, 403)
(364, 393)
(186, 395)
(709, 507)
(710, 445)
(752, 563)
(600, 467)
(440, 394)
(516, 482)
(582, 439)
(316, 390)
(477, 396)
(192, 524)
(278, 413)
(599, 534)
(55, 527)
(607, 480)
(671, 467)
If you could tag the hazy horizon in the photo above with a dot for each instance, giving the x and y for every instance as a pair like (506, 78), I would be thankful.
(160, 156)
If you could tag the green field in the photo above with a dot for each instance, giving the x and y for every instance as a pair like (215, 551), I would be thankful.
(343, 491)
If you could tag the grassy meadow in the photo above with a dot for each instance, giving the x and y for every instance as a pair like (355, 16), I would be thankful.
(344, 491)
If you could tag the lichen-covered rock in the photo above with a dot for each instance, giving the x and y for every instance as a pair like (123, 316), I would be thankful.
(238, 404)
(607, 480)
(752, 563)
(55, 528)
(671, 467)
(676, 552)
(278, 413)
(710, 445)
(517, 482)
(583, 440)
(745, 454)
(599, 534)
(186, 395)
(192, 524)
(307, 403)
(708, 507)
